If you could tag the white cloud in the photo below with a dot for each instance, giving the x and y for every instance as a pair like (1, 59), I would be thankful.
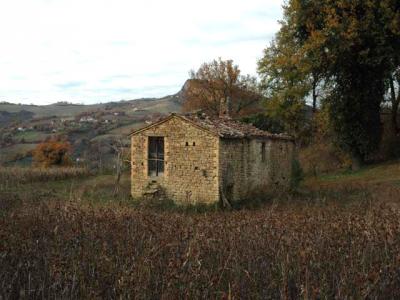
(98, 50)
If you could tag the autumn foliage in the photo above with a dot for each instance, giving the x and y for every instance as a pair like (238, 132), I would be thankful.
(341, 53)
(52, 153)
(214, 83)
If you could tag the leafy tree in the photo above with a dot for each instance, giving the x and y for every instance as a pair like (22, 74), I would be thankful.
(217, 82)
(350, 44)
(264, 122)
(282, 78)
(52, 153)
(288, 78)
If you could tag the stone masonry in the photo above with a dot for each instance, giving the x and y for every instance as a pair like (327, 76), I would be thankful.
(204, 157)
(191, 162)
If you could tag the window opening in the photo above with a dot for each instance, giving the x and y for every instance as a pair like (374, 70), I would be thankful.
(156, 156)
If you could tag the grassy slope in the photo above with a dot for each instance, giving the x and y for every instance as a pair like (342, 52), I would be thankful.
(32, 136)
(340, 186)
(387, 173)
(163, 105)
(9, 153)
(50, 110)
(125, 130)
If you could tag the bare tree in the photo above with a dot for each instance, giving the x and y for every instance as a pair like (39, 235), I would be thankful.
(120, 149)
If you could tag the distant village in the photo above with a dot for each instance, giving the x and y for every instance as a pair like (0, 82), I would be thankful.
(20, 132)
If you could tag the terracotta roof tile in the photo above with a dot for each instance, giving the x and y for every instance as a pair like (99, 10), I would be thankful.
(229, 128)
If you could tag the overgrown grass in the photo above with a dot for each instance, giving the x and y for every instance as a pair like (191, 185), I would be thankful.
(78, 238)
(15, 175)
(68, 250)
(372, 174)
(18, 185)
(9, 153)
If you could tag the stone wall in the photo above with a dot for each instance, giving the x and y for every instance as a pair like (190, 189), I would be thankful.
(234, 167)
(191, 162)
(243, 167)
(281, 157)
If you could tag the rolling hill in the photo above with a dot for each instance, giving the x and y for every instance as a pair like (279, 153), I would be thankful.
(23, 126)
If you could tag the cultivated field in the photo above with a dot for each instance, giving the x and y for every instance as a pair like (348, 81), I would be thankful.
(338, 236)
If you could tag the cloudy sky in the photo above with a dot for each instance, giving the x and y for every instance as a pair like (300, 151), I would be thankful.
(88, 51)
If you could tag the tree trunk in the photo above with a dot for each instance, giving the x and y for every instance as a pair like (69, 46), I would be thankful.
(118, 173)
(225, 201)
(395, 106)
(314, 95)
(395, 126)
(356, 161)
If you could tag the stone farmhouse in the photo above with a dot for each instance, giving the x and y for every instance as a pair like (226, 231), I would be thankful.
(199, 159)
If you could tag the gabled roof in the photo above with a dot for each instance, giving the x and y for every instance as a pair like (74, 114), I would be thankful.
(222, 127)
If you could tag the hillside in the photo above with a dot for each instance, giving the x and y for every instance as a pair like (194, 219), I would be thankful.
(62, 109)
(22, 126)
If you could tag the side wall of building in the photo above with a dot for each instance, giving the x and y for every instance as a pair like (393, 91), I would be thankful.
(249, 164)
(282, 154)
(234, 167)
(190, 162)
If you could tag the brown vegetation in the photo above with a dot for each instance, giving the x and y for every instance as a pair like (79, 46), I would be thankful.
(339, 238)
(218, 82)
(52, 153)
(18, 175)
(67, 251)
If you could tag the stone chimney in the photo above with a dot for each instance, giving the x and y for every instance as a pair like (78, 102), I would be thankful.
(225, 108)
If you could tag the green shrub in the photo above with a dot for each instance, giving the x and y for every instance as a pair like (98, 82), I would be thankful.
(264, 122)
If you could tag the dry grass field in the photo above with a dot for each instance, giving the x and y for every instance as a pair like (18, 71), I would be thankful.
(14, 177)
(337, 237)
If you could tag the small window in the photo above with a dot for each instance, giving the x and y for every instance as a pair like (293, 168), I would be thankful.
(156, 156)
(263, 151)
(187, 144)
(194, 143)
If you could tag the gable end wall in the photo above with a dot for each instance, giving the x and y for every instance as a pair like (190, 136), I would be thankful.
(191, 172)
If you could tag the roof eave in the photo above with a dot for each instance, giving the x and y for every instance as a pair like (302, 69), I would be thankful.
(259, 137)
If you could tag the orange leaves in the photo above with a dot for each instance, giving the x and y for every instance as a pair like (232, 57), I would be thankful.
(214, 82)
(52, 153)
